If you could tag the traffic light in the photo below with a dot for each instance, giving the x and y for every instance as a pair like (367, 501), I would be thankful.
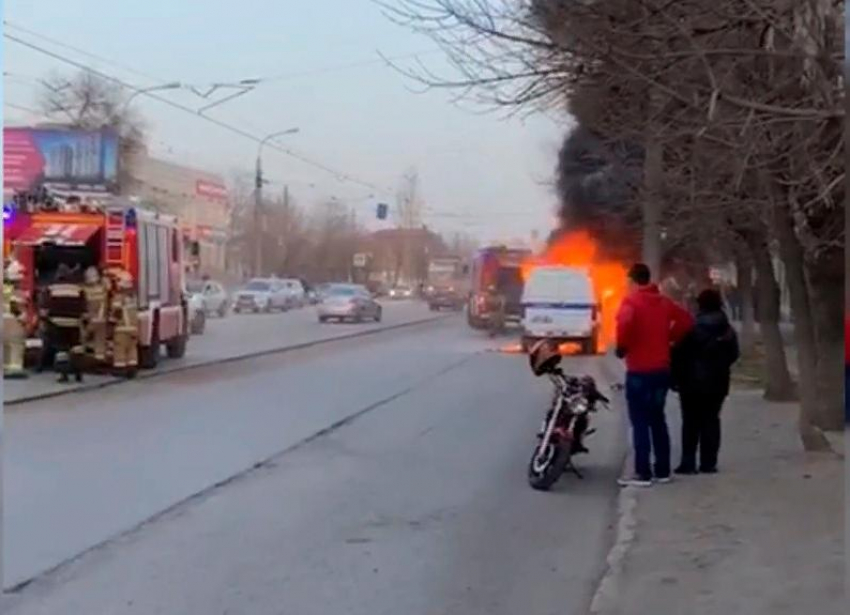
(382, 211)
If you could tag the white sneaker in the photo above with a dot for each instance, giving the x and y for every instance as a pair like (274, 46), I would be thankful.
(634, 481)
(664, 480)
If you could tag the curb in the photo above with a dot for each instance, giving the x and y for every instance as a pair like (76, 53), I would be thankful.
(145, 375)
(607, 589)
(625, 522)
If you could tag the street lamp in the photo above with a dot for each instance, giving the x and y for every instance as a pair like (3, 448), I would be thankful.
(258, 197)
(174, 85)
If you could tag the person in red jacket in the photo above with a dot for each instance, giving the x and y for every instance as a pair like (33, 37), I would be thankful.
(648, 325)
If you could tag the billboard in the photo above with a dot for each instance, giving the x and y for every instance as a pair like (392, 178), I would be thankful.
(70, 159)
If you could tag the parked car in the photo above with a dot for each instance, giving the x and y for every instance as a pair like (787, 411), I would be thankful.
(215, 298)
(196, 313)
(401, 292)
(296, 292)
(349, 302)
(261, 295)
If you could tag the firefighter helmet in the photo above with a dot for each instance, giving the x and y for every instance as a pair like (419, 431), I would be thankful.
(14, 271)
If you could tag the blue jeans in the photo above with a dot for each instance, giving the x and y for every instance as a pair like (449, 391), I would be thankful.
(646, 394)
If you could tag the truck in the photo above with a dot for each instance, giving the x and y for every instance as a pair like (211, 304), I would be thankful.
(446, 285)
(116, 235)
(496, 270)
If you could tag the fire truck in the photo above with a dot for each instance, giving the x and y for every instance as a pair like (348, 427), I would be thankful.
(147, 244)
(496, 269)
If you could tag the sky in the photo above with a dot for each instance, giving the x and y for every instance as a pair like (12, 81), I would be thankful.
(479, 172)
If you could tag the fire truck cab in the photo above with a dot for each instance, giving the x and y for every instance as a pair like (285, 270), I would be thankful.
(146, 244)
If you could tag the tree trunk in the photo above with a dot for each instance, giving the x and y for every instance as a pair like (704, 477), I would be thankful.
(778, 384)
(791, 253)
(828, 310)
(744, 266)
(652, 206)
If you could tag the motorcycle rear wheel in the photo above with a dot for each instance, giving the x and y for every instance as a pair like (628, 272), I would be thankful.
(546, 467)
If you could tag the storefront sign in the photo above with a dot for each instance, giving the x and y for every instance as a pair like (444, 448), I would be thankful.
(210, 190)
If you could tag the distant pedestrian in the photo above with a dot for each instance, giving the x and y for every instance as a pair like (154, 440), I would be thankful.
(648, 325)
(702, 365)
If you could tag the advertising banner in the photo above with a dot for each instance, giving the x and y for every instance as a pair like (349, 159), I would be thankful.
(69, 159)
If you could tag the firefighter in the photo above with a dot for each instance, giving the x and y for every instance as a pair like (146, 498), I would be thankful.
(96, 291)
(496, 304)
(124, 318)
(64, 309)
(14, 332)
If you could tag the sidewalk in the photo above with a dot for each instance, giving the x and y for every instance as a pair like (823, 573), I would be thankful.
(763, 537)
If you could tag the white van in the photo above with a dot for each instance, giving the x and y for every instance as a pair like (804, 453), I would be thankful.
(559, 303)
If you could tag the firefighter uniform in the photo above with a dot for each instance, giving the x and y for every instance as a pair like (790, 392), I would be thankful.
(124, 318)
(96, 292)
(14, 332)
(65, 308)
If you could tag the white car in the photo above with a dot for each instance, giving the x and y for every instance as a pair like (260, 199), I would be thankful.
(401, 292)
(296, 292)
(560, 304)
(197, 313)
(215, 298)
(262, 295)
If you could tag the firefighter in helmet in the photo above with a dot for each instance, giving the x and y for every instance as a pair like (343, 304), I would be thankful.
(496, 307)
(96, 291)
(124, 320)
(14, 331)
(64, 313)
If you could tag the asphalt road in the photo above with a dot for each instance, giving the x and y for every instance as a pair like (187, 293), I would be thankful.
(412, 500)
(237, 335)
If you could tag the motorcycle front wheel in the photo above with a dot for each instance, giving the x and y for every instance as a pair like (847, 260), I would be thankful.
(548, 464)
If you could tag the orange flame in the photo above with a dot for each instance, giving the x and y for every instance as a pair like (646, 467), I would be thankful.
(579, 249)
(568, 349)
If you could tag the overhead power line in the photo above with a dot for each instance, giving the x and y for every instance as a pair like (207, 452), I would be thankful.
(339, 175)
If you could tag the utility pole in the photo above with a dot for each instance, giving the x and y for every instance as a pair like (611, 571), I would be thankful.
(258, 219)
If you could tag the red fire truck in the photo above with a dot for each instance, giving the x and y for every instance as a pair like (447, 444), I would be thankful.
(498, 269)
(147, 244)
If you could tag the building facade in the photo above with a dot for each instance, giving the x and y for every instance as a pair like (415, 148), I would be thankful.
(197, 198)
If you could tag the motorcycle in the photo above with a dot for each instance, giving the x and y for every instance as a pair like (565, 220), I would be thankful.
(567, 424)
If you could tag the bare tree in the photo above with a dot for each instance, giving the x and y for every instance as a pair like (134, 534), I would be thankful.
(737, 109)
(90, 102)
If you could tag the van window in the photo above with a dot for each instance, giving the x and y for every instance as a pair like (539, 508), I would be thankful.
(562, 285)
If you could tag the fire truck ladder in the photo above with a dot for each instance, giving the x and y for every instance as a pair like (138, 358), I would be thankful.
(115, 237)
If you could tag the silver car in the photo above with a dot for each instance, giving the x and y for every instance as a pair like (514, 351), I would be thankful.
(343, 302)
(214, 297)
(261, 295)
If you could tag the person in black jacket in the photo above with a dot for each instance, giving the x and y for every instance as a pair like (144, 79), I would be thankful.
(701, 366)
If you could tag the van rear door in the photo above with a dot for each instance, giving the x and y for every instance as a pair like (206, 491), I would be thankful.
(559, 302)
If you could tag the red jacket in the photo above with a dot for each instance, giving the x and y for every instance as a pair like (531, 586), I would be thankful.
(648, 325)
